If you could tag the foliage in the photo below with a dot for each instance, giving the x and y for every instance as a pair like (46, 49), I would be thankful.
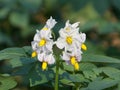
(91, 76)
(7, 82)
(18, 21)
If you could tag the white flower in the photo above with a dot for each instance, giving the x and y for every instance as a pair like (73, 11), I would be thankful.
(46, 59)
(69, 56)
(42, 42)
(49, 24)
(69, 27)
(69, 36)
(42, 39)
(73, 58)
(83, 38)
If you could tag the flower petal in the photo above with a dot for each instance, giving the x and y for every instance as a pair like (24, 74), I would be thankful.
(60, 43)
(41, 57)
(51, 59)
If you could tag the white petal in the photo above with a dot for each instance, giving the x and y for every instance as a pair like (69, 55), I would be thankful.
(41, 57)
(75, 25)
(50, 23)
(49, 45)
(66, 56)
(37, 37)
(34, 45)
(62, 33)
(79, 58)
(50, 59)
(44, 33)
(83, 37)
(60, 43)
(67, 23)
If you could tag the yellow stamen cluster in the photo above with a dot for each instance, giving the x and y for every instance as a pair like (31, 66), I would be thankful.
(34, 54)
(42, 42)
(44, 65)
(74, 62)
(84, 47)
(69, 40)
(45, 28)
(76, 66)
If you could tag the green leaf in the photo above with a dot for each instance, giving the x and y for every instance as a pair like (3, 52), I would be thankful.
(89, 74)
(109, 71)
(66, 82)
(10, 53)
(15, 62)
(20, 61)
(61, 71)
(7, 83)
(68, 67)
(74, 77)
(102, 84)
(86, 66)
(24, 70)
(38, 76)
(99, 58)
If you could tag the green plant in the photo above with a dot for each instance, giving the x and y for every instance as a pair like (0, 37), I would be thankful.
(93, 74)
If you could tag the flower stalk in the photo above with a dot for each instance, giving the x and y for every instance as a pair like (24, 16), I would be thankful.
(57, 74)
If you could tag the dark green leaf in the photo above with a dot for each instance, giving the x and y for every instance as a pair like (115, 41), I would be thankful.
(87, 66)
(99, 58)
(11, 53)
(38, 76)
(7, 83)
(74, 77)
(102, 84)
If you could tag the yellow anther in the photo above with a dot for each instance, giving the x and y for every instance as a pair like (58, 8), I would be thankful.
(84, 47)
(76, 66)
(69, 40)
(73, 60)
(34, 54)
(45, 28)
(42, 42)
(44, 65)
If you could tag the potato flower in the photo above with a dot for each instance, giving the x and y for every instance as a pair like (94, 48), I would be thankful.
(42, 39)
(46, 58)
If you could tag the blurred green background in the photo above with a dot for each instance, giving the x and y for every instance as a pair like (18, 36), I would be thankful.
(99, 19)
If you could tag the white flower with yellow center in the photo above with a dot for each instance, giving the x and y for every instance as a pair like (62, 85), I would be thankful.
(69, 36)
(83, 38)
(42, 39)
(42, 42)
(46, 59)
(73, 58)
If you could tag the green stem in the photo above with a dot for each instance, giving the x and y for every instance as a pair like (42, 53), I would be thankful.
(57, 74)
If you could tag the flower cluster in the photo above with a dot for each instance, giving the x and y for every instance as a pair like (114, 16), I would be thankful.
(42, 44)
(70, 40)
